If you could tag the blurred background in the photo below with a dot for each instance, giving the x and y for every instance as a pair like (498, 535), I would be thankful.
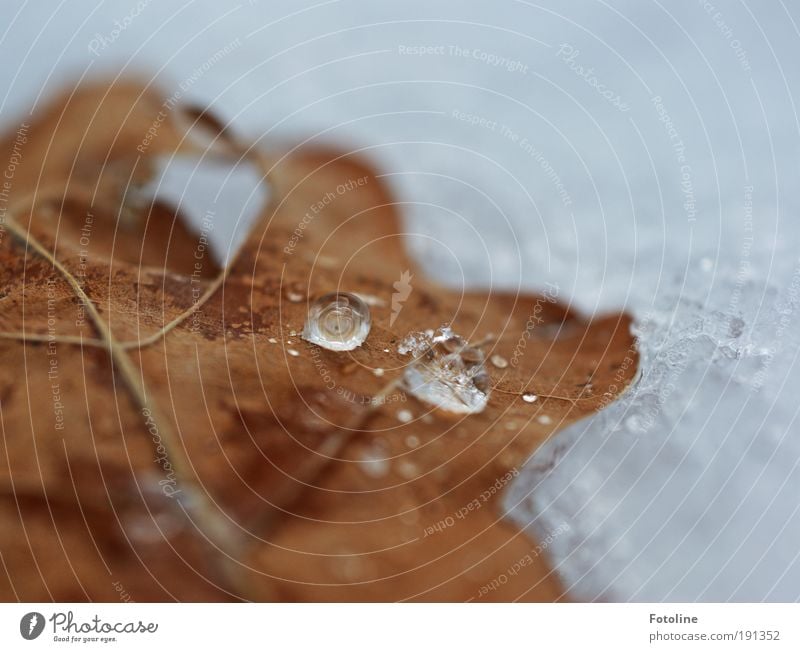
(634, 154)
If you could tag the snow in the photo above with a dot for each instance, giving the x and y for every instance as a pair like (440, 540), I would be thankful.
(663, 181)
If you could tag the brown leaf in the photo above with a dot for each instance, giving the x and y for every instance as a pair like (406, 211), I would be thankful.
(280, 476)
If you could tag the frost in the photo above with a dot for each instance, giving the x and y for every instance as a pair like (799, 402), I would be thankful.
(446, 372)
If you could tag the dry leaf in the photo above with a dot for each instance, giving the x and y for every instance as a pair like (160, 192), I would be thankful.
(281, 476)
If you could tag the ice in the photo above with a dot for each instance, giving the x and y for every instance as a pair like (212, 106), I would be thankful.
(682, 490)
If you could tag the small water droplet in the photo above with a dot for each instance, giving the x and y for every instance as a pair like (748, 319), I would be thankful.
(294, 293)
(412, 441)
(409, 517)
(386, 351)
(292, 352)
(499, 361)
(374, 462)
(544, 420)
(404, 416)
(378, 372)
(528, 397)
(339, 321)
(706, 264)
(272, 340)
(408, 470)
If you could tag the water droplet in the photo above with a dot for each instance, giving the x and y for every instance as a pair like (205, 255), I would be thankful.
(528, 397)
(339, 321)
(404, 416)
(409, 517)
(378, 372)
(412, 441)
(408, 470)
(544, 420)
(374, 462)
(272, 340)
(295, 293)
(499, 361)
(292, 352)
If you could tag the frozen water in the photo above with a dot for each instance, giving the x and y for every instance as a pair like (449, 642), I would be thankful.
(446, 372)
(683, 489)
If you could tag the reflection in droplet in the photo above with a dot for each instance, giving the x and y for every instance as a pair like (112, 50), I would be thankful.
(528, 397)
(404, 416)
(544, 420)
(292, 353)
(338, 321)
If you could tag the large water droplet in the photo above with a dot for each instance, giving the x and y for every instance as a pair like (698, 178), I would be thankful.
(446, 373)
(339, 321)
